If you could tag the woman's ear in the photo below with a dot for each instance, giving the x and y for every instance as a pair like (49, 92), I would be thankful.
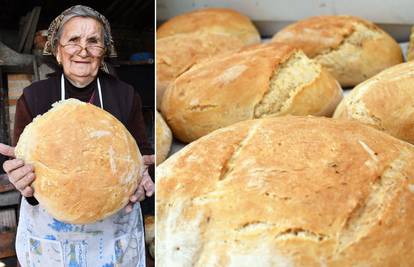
(58, 57)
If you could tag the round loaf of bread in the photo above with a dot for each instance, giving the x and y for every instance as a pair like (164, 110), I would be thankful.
(287, 191)
(164, 139)
(384, 102)
(351, 48)
(87, 164)
(258, 81)
(176, 54)
(212, 20)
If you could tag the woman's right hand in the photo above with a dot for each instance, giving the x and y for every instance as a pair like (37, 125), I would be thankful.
(21, 175)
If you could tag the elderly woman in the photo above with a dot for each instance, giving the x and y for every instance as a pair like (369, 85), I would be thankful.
(79, 38)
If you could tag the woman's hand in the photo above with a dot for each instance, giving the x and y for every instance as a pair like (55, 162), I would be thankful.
(146, 186)
(21, 175)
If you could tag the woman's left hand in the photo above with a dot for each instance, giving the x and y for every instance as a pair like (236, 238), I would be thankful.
(146, 186)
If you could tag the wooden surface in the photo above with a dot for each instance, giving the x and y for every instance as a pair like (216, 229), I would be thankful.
(9, 197)
(4, 114)
(7, 240)
(5, 184)
(8, 222)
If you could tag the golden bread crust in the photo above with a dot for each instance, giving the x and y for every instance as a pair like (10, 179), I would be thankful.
(87, 164)
(213, 20)
(263, 80)
(287, 191)
(351, 48)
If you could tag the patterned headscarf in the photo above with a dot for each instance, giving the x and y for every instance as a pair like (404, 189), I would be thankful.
(78, 11)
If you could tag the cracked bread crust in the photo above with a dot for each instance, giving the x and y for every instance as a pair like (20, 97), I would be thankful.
(87, 164)
(262, 80)
(351, 48)
(385, 102)
(287, 191)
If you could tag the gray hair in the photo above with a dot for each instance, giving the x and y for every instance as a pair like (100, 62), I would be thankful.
(56, 28)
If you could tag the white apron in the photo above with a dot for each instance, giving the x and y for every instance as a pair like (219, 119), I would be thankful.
(43, 241)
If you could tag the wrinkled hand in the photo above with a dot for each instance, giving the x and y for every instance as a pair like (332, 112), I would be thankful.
(21, 175)
(146, 186)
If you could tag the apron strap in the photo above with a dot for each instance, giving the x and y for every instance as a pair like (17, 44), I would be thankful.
(62, 90)
(100, 93)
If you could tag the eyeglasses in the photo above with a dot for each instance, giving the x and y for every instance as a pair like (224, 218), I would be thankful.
(93, 50)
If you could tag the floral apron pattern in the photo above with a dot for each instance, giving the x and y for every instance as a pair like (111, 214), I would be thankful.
(42, 241)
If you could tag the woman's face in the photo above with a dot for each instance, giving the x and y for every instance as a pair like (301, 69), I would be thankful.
(81, 66)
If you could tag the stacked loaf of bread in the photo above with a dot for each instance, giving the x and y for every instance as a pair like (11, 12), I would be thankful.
(263, 80)
(351, 48)
(385, 102)
(288, 191)
(178, 53)
(190, 38)
(212, 20)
